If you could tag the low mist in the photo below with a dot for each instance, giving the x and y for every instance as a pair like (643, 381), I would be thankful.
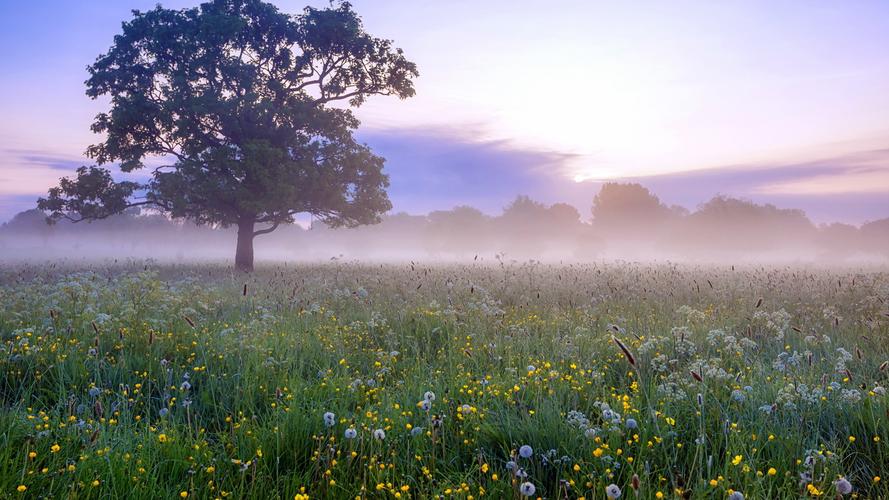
(624, 222)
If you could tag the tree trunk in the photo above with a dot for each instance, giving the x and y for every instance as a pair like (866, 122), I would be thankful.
(244, 251)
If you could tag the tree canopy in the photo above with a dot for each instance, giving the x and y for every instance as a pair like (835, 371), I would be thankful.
(248, 110)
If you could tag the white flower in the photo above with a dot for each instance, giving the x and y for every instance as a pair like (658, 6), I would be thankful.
(844, 487)
(526, 451)
(612, 491)
(350, 433)
(379, 434)
(429, 396)
(527, 489)
(737, 495)
(329, 419)
(425, 405)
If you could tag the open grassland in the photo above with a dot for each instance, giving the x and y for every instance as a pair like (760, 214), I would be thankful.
(409, 381)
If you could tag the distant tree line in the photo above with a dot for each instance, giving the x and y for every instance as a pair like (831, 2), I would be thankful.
(624, 221)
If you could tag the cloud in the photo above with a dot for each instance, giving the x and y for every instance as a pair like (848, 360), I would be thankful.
(852, 187)
(862, 172)
(439, 167)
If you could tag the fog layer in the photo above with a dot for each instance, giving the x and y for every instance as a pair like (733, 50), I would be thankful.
(625, 222)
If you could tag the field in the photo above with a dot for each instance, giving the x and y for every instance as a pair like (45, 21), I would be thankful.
(498, 380)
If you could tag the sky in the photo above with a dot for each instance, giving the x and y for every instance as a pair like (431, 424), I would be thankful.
(780, 102)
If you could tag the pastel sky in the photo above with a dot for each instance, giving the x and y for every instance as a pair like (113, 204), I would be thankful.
(781, 102)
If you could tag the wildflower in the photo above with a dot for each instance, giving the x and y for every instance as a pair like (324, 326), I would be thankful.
(55, 448)
(737, 460)
(416, 431)
(162, 438)
(183, 494)
(736, 495)
(329, 419)
(526, 451)
(843, 486)
(163, 412)
(95, 391)
(612, 491)
(425, 405)
(772, 471)
(379, 434)
(429, 396)
(350, 433)
(22, 488)
(631, 423)
(527, 489)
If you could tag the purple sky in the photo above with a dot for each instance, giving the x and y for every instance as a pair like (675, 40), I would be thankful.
(780, 102)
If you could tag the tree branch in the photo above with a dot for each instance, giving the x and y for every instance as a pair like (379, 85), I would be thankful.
(267, 230)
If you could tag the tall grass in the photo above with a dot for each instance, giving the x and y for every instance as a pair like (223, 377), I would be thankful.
(144, 381)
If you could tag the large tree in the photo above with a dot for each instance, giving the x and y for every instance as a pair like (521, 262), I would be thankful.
(248, 112)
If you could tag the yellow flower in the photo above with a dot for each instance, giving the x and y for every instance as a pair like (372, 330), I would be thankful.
(22, 488)
(659, 495)
(162, 438)
(772, 471)
(183, 494)
(95, 483)
(851, 439)
(714, 483)
(737, 460)
(55, 448)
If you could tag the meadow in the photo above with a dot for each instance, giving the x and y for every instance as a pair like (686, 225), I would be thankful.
(495, 380)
